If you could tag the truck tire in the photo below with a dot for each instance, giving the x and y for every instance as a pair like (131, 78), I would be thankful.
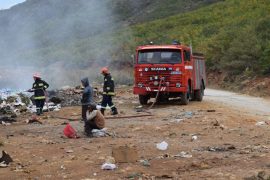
(184, 98)
(143, 99)
(199, 93)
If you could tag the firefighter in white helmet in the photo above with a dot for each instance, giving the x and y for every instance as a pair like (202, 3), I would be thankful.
(39, 87)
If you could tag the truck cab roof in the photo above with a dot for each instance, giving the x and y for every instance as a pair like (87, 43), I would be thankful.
(146, 47)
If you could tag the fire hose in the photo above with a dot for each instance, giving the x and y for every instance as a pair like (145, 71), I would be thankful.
(156, 98)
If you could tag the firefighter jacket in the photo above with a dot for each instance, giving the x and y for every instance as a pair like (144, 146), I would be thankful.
(108, 87)
(39, 88)
(87, 96)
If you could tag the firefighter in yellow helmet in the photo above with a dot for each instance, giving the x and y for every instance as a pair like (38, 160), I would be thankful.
(108, 92)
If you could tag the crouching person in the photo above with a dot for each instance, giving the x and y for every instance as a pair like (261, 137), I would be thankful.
(94, 120)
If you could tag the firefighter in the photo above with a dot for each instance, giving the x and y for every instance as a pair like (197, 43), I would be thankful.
(108, 92)
(39, 89)
(87, 97)
(95, 120)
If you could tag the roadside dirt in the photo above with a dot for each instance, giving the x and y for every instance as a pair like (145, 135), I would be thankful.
(229, 146)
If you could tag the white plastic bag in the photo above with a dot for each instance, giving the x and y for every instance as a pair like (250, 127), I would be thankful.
(108, 166)
(162, 146)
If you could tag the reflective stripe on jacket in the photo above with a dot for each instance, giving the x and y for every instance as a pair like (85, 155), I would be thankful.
(39, 88)
(108, 87)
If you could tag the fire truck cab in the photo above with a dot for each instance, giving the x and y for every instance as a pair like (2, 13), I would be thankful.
(170, 70)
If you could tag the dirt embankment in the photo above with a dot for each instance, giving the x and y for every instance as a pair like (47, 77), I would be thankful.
(256, 86)
(228, 143)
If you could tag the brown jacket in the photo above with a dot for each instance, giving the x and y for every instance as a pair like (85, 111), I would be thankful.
(97, 117)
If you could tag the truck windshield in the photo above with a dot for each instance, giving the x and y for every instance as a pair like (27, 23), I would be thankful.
(160, 56)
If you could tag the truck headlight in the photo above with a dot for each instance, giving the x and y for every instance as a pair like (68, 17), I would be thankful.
(140, 85)
(156, 77)
(178, 85)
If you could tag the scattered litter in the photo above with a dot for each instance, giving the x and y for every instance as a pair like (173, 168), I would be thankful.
(5, 159)
(70, 132)
(261, 123)
(99, 132)
(176, 120)
(188, 114)
(217, 148)
(183, 155)
(162, 146)
(33, 119)
(108, 166)
(3, 165)
(260, 176)
(139, 107)
(63, 167)
(145, 163)
(194, 138)
(7, 120)
(69, 151)
(134, 176)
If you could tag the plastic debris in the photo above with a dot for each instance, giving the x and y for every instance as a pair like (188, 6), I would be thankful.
(183, 155)
(162, 146)
(108, 166)
(5, 159)
(145, 162)
(261, 123)
(99, 132)
(194, 138)
(70, 132)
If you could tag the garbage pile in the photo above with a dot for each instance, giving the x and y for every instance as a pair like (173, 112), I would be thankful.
(16, 102)
(66, 96)
(69, 96)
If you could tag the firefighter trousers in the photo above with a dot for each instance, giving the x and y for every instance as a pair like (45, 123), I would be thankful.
(39, 105)
(107, 100)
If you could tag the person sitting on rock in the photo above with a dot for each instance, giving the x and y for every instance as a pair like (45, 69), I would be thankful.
(95, 120)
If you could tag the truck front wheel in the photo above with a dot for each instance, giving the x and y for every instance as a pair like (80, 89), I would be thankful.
(184, 98)
(143, 99)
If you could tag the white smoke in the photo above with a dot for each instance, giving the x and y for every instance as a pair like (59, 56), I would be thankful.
(37, 36)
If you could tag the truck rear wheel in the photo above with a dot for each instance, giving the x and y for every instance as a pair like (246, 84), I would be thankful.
(199, 93)
(184, 98)
(143, 99)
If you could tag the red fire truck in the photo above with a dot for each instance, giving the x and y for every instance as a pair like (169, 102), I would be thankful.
(169, 71)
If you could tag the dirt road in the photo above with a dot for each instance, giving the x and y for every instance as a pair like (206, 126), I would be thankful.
(229, 144)
(243, 103)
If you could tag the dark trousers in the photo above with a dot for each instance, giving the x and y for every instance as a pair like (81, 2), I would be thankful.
(89, 126)
(107, 100)
(84, 110)
(39, 105)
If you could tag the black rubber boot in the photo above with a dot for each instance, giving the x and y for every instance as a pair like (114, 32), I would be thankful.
(38, 112)
(114, 111)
